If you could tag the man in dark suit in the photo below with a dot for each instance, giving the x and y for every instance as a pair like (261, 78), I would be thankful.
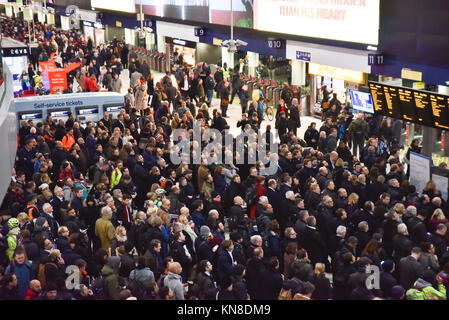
(402, 245)
(225, 258)
(119, 123)
(367, 214)
(410, 269)
(437, 239)
(274, 197)
(314, 243)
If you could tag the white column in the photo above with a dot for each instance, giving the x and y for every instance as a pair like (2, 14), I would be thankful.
(298, 73)
(161, 44)
(253, 60)
(227, 57)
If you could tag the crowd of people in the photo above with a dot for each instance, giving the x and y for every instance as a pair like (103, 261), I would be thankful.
(106, 201)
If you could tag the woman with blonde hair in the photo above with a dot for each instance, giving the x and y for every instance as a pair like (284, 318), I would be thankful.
(399, 208)
(187, 228)
(437, 218)
(430, 189)
(24, 222)
(353, 205)
(322, 284)
(118, 240)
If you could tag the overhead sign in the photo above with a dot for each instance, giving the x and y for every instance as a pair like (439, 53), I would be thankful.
(14, 52)
(376, 59)
(200, 32)
(337, 73)
(411, 75)
(303, 56)
(344, 20)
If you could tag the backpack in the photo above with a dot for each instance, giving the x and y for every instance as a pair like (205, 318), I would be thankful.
(358, 129)
(136, 287)
(41, 273)
(98, 287)
(285, 294)
(251, 195)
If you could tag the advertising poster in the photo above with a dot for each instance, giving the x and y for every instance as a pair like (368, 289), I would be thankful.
(121, 6)
(220, 12)
(352, 21)
(419, 171)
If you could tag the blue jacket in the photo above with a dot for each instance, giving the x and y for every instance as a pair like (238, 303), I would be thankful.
(198, 219)
(24, 276)
(224, 264)
(219, 183)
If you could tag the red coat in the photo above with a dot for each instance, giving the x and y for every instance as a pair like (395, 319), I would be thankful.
(260, 192)
(31, 295)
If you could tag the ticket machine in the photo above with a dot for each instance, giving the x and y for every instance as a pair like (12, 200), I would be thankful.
(36, 116)
(84, 115)
(113, 110)
(59, 114)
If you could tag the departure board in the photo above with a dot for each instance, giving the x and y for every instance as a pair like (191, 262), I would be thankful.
(440, 110)
(407, 104)
(423, 108)
(393, 101)
(380, 104)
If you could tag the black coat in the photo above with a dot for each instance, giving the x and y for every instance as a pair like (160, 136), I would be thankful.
(409, 271)
(402, 247)
(271, 285)
(387, 282)
(254, 271)
(315, 245)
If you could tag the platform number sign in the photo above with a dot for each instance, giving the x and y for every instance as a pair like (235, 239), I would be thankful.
(200, 32)
(376, 59)
(275, 44)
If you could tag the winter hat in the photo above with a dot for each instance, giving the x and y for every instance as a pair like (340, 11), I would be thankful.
(429, 276)
(114, 262)
(387, 265)
(214, 194)
(65, 165)
(397, 292)
(188, 171)
(40, 222)
(205, 231)
(235, 236)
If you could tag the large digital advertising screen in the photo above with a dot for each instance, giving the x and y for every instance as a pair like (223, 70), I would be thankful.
(128, 6)
(343, 20)
(205, 11)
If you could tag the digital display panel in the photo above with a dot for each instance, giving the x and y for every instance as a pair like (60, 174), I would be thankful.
(121, 6)
(362, 101)
(352, 21)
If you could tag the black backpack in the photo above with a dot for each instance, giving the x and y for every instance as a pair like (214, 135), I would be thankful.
(251, 195)
(358, 130)
(98, 288)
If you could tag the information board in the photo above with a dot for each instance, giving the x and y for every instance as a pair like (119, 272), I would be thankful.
(440, 110)
(419, 171)
(421, 107)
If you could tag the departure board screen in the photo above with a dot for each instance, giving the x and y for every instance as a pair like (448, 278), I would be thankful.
(380, 104)
(423, 108)
(407, 104)
(440, 110)
(393, 101)
(420, 107)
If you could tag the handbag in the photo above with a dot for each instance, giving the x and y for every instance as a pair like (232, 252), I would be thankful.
(224, 102)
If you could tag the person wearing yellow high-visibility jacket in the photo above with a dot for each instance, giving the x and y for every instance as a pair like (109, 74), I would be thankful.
(116, 174)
